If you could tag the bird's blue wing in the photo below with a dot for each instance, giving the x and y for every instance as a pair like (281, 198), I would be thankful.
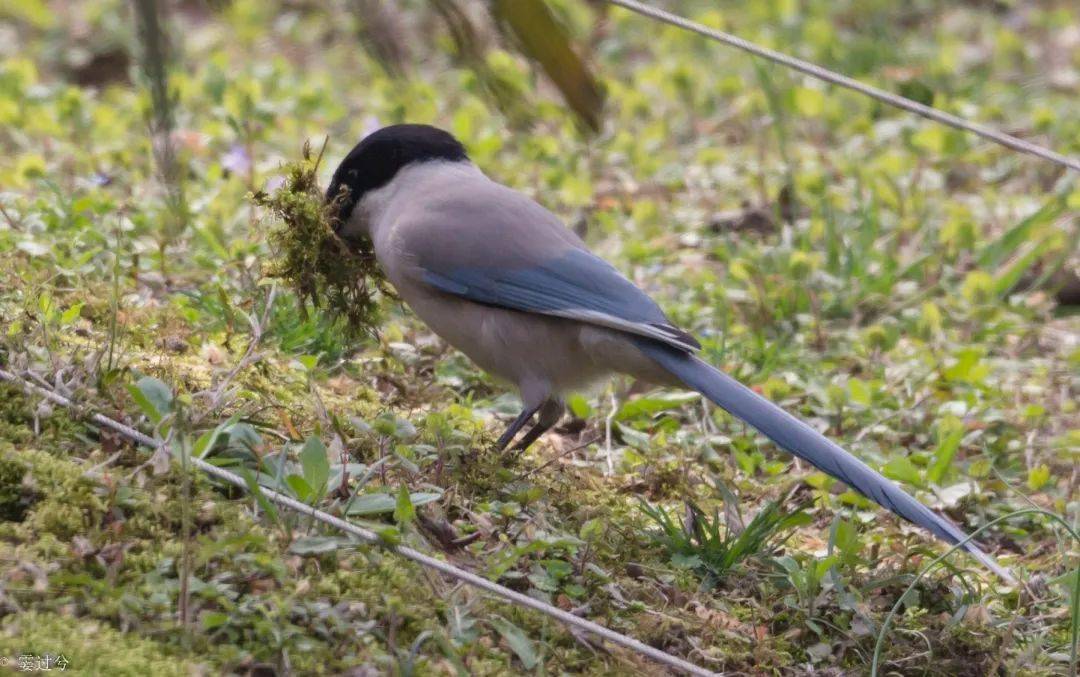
(576, 284)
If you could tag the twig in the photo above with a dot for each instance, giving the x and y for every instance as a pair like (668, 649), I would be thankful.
(93, 472)
(7, 217)
(258, 328)
(155, 58)
(561, 455)
(608, 422)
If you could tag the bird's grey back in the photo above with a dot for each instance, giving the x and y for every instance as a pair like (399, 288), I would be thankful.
(456, 231)
(465, 219)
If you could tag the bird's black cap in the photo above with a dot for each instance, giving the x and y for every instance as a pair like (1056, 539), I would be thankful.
(374, 161)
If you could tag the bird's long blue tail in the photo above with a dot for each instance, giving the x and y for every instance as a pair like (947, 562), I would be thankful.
(803, 441)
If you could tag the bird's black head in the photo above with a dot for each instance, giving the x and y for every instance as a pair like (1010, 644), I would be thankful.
(374, 161)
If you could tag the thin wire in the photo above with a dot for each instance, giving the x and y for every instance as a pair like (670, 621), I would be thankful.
(372, 538)
(835, 78)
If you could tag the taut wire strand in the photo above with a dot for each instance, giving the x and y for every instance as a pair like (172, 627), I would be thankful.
(832, 77)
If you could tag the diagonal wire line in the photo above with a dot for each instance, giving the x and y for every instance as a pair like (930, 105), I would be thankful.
(835, 78)
(372, 538)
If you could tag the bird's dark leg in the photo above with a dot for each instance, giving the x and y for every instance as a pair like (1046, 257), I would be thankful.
(550, 414)
(516, 425)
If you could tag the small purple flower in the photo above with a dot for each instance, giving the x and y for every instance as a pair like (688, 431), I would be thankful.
(275, 182)
(236, 160)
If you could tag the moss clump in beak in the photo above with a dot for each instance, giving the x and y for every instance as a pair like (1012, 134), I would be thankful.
(334, 276)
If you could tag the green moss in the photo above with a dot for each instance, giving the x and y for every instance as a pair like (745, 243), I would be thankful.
(90, 647)
(16, 419)
(112, 557)
(321, 268)
(15, 498)
(68, 502)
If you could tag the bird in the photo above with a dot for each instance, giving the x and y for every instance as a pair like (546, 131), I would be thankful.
(501, 279)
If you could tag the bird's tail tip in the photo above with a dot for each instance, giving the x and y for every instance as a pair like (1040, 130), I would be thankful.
(800, 439)
(990, 563)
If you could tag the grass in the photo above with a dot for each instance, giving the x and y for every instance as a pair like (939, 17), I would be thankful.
(701, 542)
(894, 302)
(1074, 594)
